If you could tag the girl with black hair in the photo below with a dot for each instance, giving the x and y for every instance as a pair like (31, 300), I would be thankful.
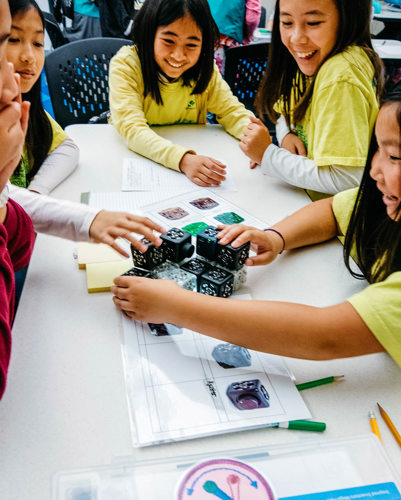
(169, 77)
(322, 86)
(367, 322)
(49, 154)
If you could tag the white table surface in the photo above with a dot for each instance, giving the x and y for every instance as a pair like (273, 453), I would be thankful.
(65, 404)
(388, 13)
(387, 49)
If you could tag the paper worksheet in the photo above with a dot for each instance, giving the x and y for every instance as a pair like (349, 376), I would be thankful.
(141, 174)
(184, 385)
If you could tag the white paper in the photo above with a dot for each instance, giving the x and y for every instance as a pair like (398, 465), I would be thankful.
(177, 390)
(141, 174)
(126, 201)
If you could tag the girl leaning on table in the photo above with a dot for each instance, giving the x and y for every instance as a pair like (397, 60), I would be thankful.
(169, 77)
(367, 322)
(321, 86)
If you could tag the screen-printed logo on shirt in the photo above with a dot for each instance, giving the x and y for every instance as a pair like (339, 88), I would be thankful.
(191, 104)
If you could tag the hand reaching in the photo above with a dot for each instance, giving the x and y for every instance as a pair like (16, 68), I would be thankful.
(146, 299)
(266, 244)
(107, 226)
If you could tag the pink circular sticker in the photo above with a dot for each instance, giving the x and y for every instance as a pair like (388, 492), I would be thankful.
(224, 479)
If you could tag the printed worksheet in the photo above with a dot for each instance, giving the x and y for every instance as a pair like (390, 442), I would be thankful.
(182, 385)
(142, 174)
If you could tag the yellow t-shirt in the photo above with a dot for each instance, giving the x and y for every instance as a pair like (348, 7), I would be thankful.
(379, 305)
(132, 113)
(339, 121)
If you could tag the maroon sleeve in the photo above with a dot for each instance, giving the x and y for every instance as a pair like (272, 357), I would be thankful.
(21, 236)
(16, 244)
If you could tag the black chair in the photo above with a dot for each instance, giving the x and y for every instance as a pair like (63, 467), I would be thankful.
(77, 76)
(243, 70)
(262, 20)
(54, 30)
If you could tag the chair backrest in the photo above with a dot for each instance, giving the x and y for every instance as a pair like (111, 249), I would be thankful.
(54, 31)
(243, 70)
(77, 76)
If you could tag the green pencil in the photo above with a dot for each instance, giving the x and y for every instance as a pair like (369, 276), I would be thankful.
(320, 381)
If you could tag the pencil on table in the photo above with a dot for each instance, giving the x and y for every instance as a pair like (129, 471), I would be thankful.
(390, 425)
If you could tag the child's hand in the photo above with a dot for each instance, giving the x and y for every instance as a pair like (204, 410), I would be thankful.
(293, 144)
(146, 299)
(255, 140)
(266, 244)
(203, 170)
(107, 226)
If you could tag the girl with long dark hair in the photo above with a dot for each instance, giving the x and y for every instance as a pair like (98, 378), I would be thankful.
(322, 86)
(49, 155)
(169, 77)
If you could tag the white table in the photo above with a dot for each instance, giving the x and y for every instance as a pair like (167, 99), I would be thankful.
(387, 49)
(388, 13)
(65, 403)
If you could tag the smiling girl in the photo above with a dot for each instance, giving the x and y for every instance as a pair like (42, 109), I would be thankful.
(322, 84)
(169, 77)
(49, 154)
(367, 322)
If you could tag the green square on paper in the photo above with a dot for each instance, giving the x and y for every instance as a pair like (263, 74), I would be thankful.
(195, 228)
(229, 218)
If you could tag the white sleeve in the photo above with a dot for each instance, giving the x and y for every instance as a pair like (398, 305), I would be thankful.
(281, 129)
(302, 172)
(62, 218)
(58, 165)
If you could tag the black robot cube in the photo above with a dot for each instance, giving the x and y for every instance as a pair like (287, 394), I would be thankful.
(177, 244)
(207, 243)
(248, 395)
(152, 257)
(135, 271)
(197, 267)
(217, 282)
(232, 258)
(161, 329)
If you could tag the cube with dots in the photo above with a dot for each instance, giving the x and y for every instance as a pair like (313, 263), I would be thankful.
(152, 257)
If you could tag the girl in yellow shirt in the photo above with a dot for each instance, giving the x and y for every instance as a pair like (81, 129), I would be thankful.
(321, 86)
(169, 77)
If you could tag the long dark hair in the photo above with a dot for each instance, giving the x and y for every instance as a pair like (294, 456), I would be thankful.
(282, 70)
(372, 234)
(156, 13)
(39, 136)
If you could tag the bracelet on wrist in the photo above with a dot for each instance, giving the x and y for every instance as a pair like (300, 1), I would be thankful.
(279, 234)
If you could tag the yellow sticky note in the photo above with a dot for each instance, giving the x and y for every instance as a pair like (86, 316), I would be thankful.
(96, 252)
(100, 275)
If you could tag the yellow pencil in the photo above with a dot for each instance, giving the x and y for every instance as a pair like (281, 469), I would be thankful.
(390, 425)
(373, 424)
